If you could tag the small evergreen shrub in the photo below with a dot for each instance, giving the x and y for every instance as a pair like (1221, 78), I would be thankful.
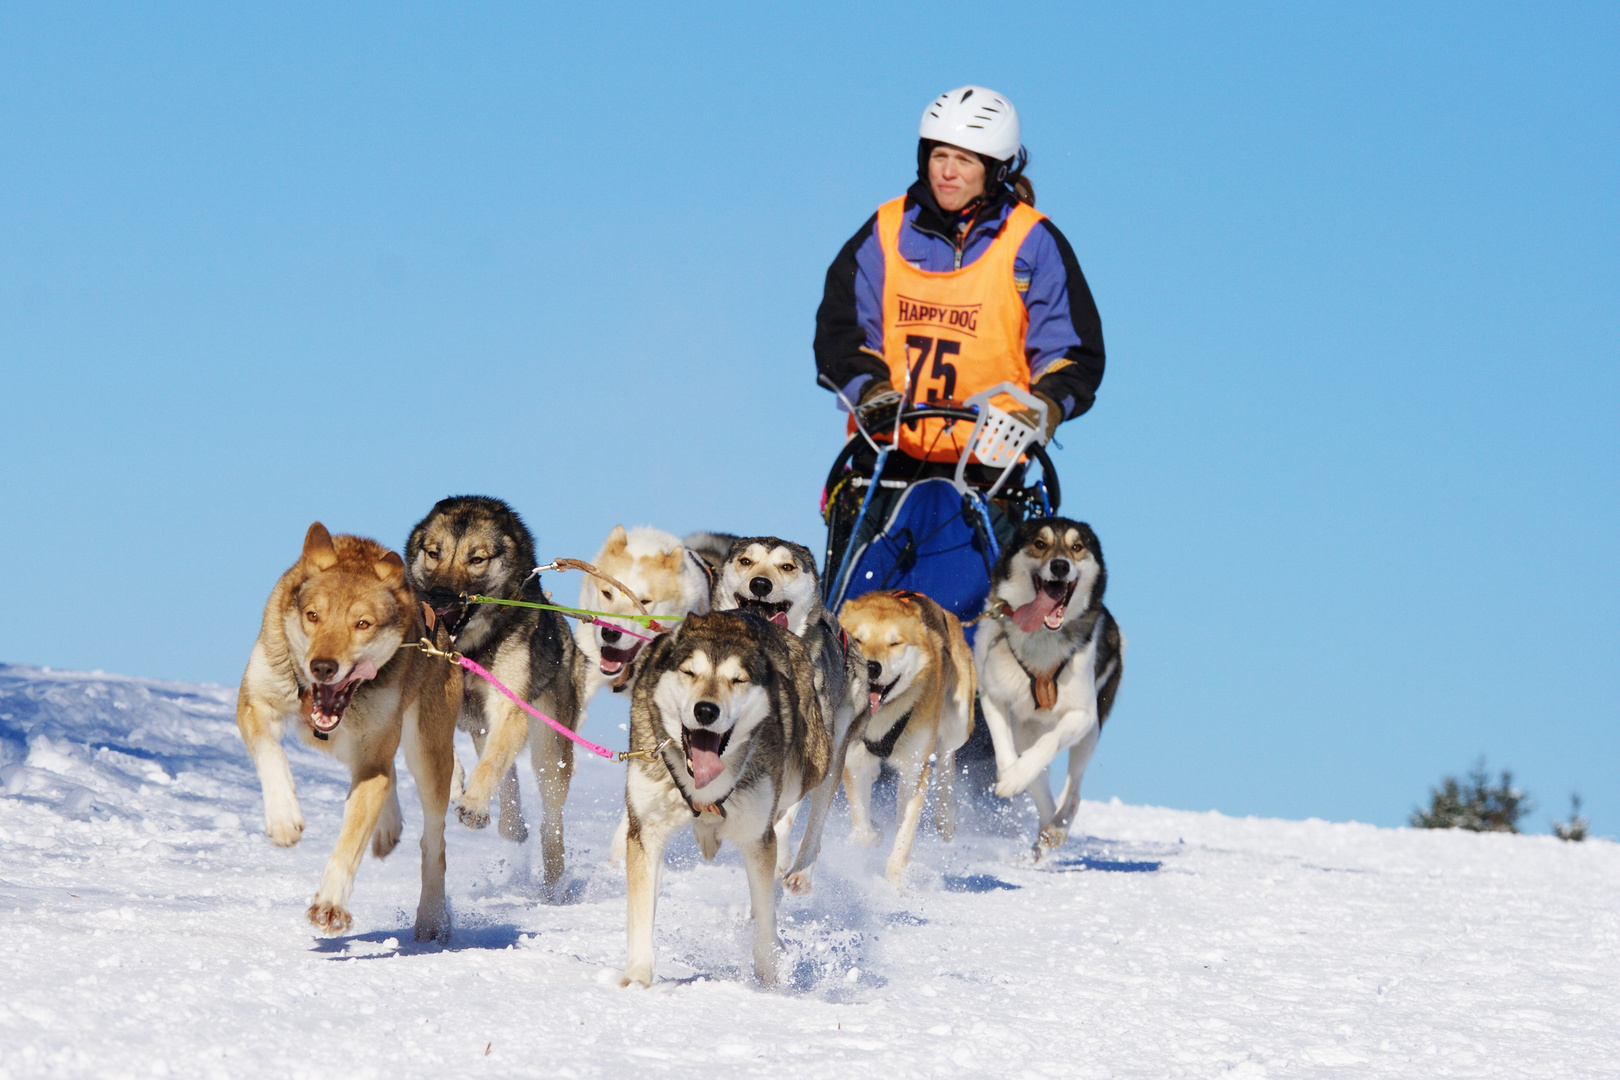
(1474, 804)
(1575, 827)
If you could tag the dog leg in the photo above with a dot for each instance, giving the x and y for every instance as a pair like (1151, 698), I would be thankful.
(860, 771)
(330, 911)
(553, 760)
(616, 851)
(430, 754)
(261, 732)
(784, 836)
(912, 791)
(797, 880)
(390, 825)
(759, 860)
(511, 825)
(1055, 834)
(508, 730)
(644, 869)
(1001, 736)
(1034, 759)
(945, 796)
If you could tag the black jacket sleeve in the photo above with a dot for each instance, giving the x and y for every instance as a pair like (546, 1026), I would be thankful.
(1080, 372)
(840, 341)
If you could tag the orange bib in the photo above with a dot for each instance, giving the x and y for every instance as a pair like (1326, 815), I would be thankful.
(954, 333)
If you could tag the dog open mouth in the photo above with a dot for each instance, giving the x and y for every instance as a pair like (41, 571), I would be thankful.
(1047, 609)
(327, 701)
(880, 693)
(615, 661)
(703, 749)
(776, 613)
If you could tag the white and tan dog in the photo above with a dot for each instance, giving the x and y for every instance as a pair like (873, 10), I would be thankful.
(328, 661)
(667, 578)
(1049, 663)
(922, 684)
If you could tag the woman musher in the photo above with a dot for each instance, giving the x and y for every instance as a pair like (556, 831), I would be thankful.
(956, 286)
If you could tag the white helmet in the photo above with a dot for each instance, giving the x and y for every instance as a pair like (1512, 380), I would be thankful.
(974, 118)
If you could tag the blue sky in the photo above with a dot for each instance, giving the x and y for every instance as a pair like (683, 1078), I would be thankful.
(1354, 465)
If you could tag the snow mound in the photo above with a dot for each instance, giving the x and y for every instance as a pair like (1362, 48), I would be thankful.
(151, 929)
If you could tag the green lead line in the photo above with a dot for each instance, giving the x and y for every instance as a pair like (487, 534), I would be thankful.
(642, 619)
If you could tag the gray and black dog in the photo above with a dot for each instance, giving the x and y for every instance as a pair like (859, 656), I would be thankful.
(777, 580)
(472, 544)
(725, 714)
(1049, 659)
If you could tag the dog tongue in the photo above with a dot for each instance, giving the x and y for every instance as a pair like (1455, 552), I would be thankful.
(780, 619)
(877, 700)
(365, 669)
(1030, 617)
(706, 765)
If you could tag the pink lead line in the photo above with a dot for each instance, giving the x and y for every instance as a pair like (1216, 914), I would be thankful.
(617, 756)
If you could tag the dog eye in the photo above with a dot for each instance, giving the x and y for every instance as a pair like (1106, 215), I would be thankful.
(744, 560)
(434, 555)
(477, 560)
(363, 624)
(311, 616)
(788, 568)
(739, 680)
(688, 674)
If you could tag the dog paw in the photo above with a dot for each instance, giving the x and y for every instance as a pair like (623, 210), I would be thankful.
(433, 925)
(286, 832)
(1050, 839)
(635, 977)
(472, 818)
(895, 874)
(330, 918)
(1015, 780)
(797, 882)
(864, 837)
(513, 828)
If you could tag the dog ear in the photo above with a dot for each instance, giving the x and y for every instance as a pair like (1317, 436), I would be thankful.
(617, 540)
(318, 548)
(390, 569)
(673, 557)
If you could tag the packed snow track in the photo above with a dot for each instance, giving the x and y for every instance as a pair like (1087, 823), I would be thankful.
(151, 929)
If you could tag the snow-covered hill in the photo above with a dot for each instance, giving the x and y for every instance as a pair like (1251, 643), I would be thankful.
(151, 930)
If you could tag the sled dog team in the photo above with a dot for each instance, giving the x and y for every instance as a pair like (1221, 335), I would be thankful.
(750, 700)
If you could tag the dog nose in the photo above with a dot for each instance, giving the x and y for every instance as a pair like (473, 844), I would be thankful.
(760, 586)
(323, 670)
(874, 670)
(1059, 568)
(706, 712)
(610, 636)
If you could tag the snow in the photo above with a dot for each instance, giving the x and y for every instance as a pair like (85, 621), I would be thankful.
(150, 929)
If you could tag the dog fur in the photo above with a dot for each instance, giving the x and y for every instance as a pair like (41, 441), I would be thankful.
(777, 580)
(471, 544)
(1049, 663)
(726, 708)
(922, 685)
(328, 660)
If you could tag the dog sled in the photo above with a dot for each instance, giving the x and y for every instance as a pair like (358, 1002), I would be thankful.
(936, 527)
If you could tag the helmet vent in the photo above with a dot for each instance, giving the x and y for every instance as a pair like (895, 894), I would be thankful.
(968, 94)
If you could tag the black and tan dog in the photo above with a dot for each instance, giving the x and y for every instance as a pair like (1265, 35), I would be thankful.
(725, 708)
(471, 545)
(1049, 661)
(328, 660)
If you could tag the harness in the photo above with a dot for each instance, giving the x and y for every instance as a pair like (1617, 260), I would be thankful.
(1043, 688)
(885, 746)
